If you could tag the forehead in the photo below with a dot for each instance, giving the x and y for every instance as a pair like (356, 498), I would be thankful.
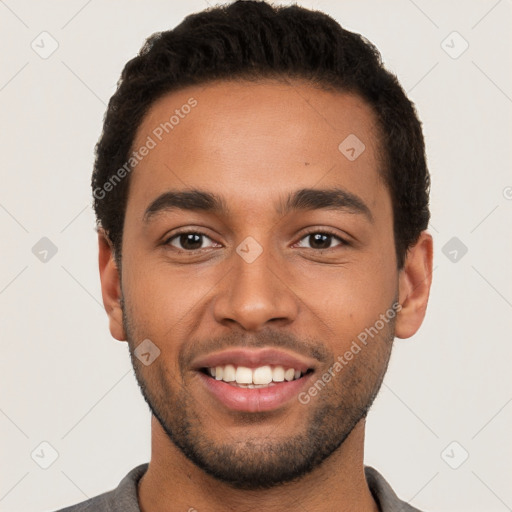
(250, 141)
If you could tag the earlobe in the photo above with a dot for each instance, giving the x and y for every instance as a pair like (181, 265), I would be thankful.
(110, 286)
(415, 280)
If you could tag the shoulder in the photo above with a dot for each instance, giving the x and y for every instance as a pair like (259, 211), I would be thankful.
(383, 494)
(97, 504)
(122, 498)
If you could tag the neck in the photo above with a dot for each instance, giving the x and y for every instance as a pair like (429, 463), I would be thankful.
(172, 482)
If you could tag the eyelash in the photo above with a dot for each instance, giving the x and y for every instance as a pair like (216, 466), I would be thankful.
(312, 232)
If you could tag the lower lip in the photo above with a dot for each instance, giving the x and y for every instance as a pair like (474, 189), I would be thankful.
(254, 400)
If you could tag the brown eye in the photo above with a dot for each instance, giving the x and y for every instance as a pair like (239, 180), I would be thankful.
(187, 241)
(321, 240)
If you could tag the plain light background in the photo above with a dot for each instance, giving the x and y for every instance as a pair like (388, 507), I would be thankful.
(66, 382)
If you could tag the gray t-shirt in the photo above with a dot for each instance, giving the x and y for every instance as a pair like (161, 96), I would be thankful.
(124, 497)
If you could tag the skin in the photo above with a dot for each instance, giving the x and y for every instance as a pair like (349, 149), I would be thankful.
(253, 143)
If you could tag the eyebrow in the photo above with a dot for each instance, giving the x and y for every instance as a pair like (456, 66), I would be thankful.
(302, 199)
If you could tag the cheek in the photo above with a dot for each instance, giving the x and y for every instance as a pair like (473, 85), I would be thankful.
(349, 299)
(166, 301)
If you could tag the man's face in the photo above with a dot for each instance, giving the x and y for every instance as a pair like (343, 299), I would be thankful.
(259, 276)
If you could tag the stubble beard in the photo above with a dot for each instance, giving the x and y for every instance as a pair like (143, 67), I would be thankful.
(258, 462)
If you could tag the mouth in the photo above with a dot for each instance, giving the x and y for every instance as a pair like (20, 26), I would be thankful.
(254, 378)
(260, 389)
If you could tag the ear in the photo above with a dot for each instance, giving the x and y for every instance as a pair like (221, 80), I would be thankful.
(110, 286)
(414, 282)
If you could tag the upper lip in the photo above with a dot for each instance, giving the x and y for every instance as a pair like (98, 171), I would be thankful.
(254, 359)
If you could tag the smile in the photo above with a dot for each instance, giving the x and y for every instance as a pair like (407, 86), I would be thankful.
(252, 378)
(260, 389)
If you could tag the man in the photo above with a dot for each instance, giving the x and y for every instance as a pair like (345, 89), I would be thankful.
(261, 193)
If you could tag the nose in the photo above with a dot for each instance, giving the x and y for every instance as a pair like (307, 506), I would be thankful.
(256, 293)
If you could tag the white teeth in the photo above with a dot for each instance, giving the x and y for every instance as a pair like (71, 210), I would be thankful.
(252, 386)
(243, 375)
(278, 374)
(262, 376)
(229, 373)
(289, 374)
